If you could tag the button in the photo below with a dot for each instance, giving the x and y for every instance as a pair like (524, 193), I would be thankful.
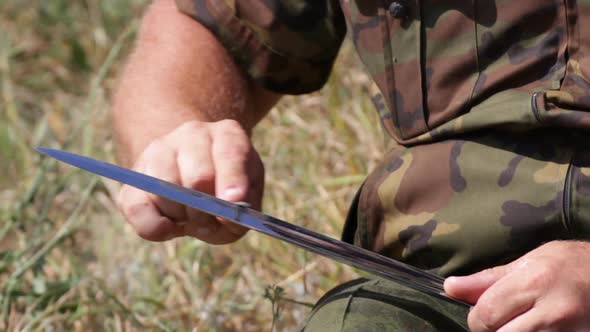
(398, 9)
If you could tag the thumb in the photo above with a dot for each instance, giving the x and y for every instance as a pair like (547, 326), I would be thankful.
(470, 288)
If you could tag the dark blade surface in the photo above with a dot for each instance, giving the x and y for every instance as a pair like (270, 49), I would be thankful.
(299, 236)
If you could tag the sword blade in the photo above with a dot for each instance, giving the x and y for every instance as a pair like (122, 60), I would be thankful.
(302, 237)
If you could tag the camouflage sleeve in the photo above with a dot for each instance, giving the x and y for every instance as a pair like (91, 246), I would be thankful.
(287, 46)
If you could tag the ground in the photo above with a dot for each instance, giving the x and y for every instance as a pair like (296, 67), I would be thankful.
(68, 261)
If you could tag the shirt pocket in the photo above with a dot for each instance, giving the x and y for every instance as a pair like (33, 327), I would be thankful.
(567, 103)
(389, 47)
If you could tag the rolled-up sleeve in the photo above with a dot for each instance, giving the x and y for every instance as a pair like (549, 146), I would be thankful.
(287, 46)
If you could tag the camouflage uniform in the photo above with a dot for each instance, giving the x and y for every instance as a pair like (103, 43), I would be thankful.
(486, 104)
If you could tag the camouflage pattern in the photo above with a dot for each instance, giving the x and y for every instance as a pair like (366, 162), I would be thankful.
(483, 100)
(441, 70)
(461, 205)
(446, 67)
(287, 46)
(379, 305)
(487, 104)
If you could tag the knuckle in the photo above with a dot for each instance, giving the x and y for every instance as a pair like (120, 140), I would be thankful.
(229, 124)
(153, 152)
(155, 147)
(494, 271)
(230, 141)
(540, 277)
(485, 316)
(230, 129)
(234, 149)
(203, 179)
(237, 152)
(191, 126)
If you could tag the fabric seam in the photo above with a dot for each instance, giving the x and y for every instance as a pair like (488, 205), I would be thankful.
(477, 62)
(348, 304)
(535, 106)
(390, 74)
(423, 61)
(567, 196)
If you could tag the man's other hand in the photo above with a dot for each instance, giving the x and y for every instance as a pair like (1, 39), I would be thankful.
(217, 158)
(547, 289)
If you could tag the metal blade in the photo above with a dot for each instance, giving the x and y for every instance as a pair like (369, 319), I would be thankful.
(252, 219)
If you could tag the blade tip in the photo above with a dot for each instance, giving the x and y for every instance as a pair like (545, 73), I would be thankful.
(50, 152)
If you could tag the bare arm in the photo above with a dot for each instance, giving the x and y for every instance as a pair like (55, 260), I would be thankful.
(179, 72)
(183, 112)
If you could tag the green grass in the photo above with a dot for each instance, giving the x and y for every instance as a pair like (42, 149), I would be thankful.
(68, 261)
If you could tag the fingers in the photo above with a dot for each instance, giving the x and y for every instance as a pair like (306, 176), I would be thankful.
(531, 321)
(197, 171)
(196, 168)
(521, 290)
(216, 158)
(505, 300)
(470, 288)
(212, 231)
(560, 311)
(159, 160)
(153, 217)
(232, 152)
(545, 290)
(142, 214)
(556, 315)
(498, 295)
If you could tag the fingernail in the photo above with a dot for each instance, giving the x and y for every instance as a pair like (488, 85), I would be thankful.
(451, 280)
(233, 193)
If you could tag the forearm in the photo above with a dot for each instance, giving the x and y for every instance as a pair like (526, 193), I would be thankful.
(177, 73)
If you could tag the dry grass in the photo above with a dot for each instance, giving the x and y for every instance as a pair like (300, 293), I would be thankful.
(67, 259)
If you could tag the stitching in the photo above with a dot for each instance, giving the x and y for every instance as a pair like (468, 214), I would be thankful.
(389, 74)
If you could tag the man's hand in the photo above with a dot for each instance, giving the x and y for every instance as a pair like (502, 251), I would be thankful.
(170, 111)
(216, 158)
(547, 289)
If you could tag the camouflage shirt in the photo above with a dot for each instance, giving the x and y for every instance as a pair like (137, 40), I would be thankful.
(489, 101)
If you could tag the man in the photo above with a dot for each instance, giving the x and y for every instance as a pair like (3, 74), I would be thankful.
(487, 100)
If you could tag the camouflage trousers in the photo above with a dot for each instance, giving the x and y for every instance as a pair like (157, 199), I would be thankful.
(381, 305)
(456, 207)
(375, 304)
